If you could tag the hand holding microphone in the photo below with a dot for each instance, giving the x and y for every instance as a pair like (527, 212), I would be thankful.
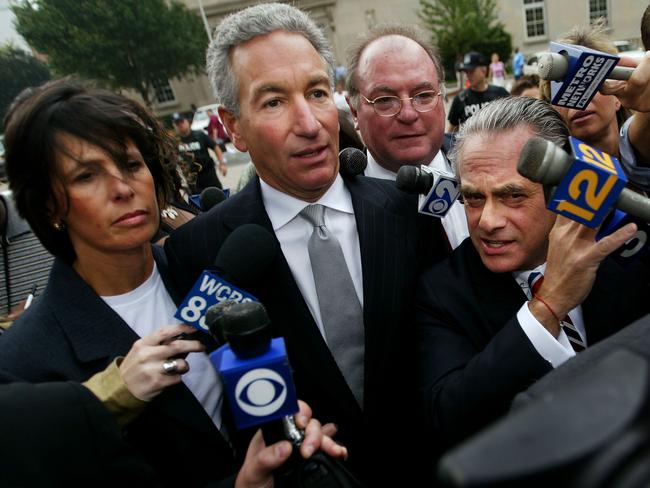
(259, 386)
(576, 73)
(586, 184)
(261, 459)
(635, 92)
(156, 361)
(554, 66)
(572, 261)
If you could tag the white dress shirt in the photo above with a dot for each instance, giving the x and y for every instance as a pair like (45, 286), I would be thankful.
(293, 231)
(555, 351)
(455, 222)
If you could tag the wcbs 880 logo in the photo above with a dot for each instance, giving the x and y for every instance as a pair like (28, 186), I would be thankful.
(208, 290)
(590, 187)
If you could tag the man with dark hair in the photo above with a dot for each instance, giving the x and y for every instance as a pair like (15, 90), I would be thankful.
(479, 93)
(193, 147)
(488, 325)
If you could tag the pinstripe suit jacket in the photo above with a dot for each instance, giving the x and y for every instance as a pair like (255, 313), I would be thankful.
(395, 243)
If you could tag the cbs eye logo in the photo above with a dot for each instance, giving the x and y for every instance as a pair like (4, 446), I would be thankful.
(261, 392)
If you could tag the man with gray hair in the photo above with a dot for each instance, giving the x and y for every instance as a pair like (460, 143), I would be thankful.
(488, 326)
(396, 95)
(342, 290)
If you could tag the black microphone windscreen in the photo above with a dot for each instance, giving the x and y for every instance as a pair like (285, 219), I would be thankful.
(246, 254)
(210, 197)
(411, 179)
(352, 161)
(407, 179)
(244, 325)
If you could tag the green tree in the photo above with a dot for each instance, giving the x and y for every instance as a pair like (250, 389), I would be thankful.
(124, 43)
(18, 70)
(459, 26)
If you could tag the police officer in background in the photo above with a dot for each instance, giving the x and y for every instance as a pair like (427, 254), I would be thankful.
(193, 147)
(477, 95)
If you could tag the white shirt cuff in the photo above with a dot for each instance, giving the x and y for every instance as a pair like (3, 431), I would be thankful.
(555, 351)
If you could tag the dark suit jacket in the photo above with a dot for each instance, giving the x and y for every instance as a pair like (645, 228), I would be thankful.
(59, 434)
(395, 243)
(70, 333)
(474, 357)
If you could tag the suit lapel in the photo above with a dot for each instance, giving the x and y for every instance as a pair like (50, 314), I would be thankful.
(382, 241)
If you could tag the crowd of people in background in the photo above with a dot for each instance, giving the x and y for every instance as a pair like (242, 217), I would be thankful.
(406, 334)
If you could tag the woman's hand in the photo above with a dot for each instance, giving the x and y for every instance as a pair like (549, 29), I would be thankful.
(142, 369)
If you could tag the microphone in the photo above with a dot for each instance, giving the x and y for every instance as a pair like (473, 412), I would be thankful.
(412, 179)
(577, 72)
(254, 367)
(437, 189)
(258, 382)
(245, 255)
(352, 161)
(554, 67)
(589, 182)
(210, 197)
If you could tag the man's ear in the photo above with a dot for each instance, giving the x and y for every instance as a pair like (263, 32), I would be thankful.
(353, 111)
(232, 125)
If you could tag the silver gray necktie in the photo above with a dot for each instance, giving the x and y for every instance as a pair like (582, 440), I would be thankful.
(340, 308)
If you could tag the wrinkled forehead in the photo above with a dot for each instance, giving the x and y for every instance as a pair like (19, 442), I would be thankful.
(493, 153)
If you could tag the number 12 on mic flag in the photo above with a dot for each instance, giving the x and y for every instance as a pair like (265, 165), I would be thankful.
(590, 187)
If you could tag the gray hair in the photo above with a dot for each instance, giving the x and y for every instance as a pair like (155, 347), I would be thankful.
(242, 26)
(509, 113)
(356, 48)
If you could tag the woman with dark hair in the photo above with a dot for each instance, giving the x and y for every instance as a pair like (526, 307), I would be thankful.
(88, 171)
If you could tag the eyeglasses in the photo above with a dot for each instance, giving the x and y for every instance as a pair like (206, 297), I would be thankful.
(389, 106)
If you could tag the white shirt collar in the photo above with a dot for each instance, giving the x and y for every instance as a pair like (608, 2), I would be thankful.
(282, 207)
(374, 170)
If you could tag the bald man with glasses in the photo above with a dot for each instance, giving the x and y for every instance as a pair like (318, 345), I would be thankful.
(396, 95)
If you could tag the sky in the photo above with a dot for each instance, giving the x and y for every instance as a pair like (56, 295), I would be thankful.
(7, 32)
